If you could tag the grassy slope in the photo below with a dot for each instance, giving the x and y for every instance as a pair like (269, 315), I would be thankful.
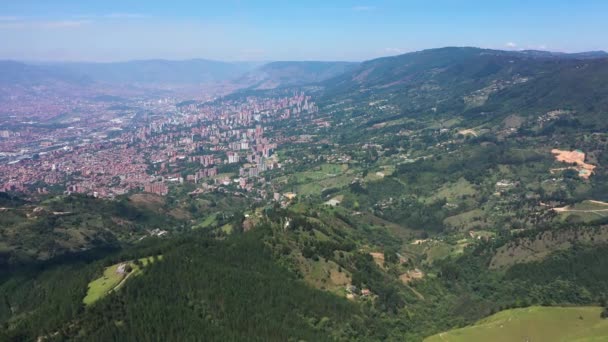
(585, 211)
(103, 285)
(111, 280)
(534, 324)
(325, 176)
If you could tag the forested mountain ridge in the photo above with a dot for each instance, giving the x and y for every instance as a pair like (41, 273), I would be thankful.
(39, 231)
(482, 85)
(454, 63)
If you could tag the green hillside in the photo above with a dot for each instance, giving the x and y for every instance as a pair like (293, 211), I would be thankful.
(533, 324)
(422, 197)
(480, 85)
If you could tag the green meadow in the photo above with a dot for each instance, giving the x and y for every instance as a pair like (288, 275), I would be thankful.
(533, 324)
(112, 280)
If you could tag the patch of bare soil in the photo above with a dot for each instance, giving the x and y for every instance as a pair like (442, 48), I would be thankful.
(378, 258)
(468, 132)
(575, 157)
(411, 275)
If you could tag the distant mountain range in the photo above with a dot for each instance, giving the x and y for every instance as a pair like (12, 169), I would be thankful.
(20, 74)
(384, 72)
(158, 71)
(255, 75)
(576, 55)
(194, 71)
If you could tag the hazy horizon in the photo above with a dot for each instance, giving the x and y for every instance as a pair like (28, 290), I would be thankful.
(262, 62)
(111, 31)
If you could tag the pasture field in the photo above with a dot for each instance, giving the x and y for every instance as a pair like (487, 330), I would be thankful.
(112, 280)
(101, 286)
(533, 324)
(439, 250)
(585, 211)
(325, 275)
(454, 191)
(466, 220)
(209, 221)
(310, 187)
(321, 172)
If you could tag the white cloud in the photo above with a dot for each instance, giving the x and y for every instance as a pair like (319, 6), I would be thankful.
(511, 45)
(394, 50)
(125, 16)
(74, 21)
(363, 8)
(42, 24)
(64, 23)
(115, 15)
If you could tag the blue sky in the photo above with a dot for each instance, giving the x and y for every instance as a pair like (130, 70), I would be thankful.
(111, 30)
